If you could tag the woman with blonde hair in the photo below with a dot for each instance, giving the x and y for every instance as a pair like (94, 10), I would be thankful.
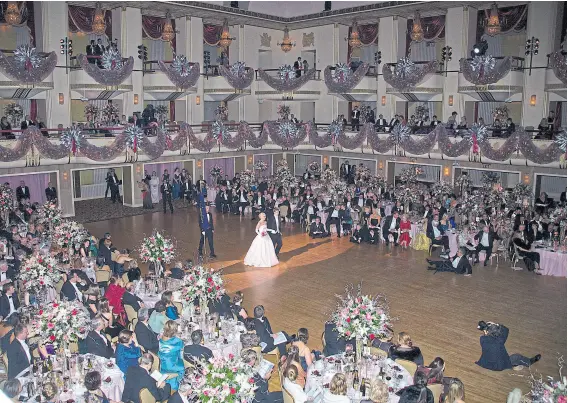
(379, 392)
(405, 350)
(261, 252)
(170, 353)
(292, 387)
(456, 392)
(337, 392)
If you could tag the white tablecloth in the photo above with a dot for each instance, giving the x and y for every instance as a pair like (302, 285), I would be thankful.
(400, 377)
(223, 350)
(552, 263)
(149, 300)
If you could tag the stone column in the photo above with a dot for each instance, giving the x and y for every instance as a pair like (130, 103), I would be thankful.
(131, 38)
(195, 113)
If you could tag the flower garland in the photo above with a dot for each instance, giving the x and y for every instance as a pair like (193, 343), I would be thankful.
(14, 112)
(314, 167)
(110, 112)
(162, 112)
(72, 139)
(157, 248)
(134, 136)
(223, 380)
(334, 130)
(91, 112)
(286, 72)
(216, 172)
(6, 199)
(61, 323)
(202, 283)
(111, 59)
(361, 316)
(27, 57)
(49, 212)
(288, 130)
(69, 233)
(220, 131)
(283, 111)
(560, 140)
(399, 134)
(181, 65)
(39, 272)
(342, 73)
(260, 165)
(238, 69)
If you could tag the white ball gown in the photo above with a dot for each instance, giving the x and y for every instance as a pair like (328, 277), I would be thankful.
(261, 252)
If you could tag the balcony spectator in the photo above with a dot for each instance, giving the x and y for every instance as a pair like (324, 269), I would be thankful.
(497, 128)
(298, 67)
(99, 49)
(26, 123)
(381, 123)
(480, 122)
(394, 121)
(5, 125)
(510, 127)
(434, 121)
(293, 119)
(551, 121)
(453, 121)
(543, 132)
(305, 66)
(91, 51)
(41, 126)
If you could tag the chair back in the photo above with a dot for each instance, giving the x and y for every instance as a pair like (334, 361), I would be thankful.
(58, 287)
(146, 396)
(287, 396)
(125, 278)
(102, 276)
(131, 314)
(437, 390)
(408, 365)
(258, 351)
(156, 364)
(378, 352)
(283, 211)
(179, 307)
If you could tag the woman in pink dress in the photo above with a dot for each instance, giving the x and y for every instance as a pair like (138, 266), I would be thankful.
(405, 226)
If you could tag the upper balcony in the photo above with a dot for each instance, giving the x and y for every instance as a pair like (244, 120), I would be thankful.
(430, 89)
(84, 86)
(310, 91)
(11, 89)
(553, 85)
(157, 86)
(366, 90)
(509, 88)
(216, 88)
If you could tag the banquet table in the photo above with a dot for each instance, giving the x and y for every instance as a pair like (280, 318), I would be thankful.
(552, 263)
(227, 343)
(150, 299)
(321, 372)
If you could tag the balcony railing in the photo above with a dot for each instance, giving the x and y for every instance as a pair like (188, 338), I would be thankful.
(517, 63)
(274, 72)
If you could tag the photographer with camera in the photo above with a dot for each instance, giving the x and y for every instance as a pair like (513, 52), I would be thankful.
(494, 355)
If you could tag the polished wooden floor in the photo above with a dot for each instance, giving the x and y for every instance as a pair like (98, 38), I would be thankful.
(439, 311)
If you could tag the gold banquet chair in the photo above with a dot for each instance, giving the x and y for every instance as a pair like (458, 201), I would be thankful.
(437, 390)
(146, 396)
(408, 365)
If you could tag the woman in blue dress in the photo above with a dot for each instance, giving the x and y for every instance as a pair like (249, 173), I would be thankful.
(171, 310)
(170, 353)
(127, 351)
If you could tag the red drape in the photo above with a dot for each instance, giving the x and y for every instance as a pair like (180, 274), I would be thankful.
(172, 111)
(81, 20)
(152, 28)
(33, 109)
(368, 34)
(211, 34)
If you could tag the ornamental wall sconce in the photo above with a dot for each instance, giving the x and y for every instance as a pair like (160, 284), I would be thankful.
(61, 98)
(526, 179)
(446, 171)
(138, 169)
(381, 166)
(325, 160)
(533, 100)
(65, 176)
(451, 100)
(136, 99)
(250, 159)
(383, 100)
(198, 100)
(199, 163)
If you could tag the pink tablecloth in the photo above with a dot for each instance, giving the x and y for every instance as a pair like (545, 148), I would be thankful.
(552, 263)
(453, 238)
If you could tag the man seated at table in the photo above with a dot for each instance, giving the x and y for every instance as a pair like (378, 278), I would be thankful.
(334, 342)
(19, 354)
(261, 393)
(96, 341)
(196, 351)
(176, 272)
(144, 335)
(128, 298)
(317, 230)
(265, 333)
(73, 289)
(485, 238)
(437, 236)
(138, 378)
(309, 212)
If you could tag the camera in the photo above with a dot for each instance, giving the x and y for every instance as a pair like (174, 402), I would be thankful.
(482, 325)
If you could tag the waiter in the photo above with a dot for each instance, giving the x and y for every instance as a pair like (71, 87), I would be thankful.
(206, 226)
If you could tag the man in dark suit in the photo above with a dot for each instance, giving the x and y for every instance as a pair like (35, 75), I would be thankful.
(317, 229)
(50, 192)
(196, 351)
(335, 215)
(273, 228)
(334, 342)
(144, 335)
(108, 180)
(240, 201)
(457, 264)
(261, 393)
(128, 298)
(391, 227)
(434, 121)
(437, 235)
(7, 273)
(485, 238)
(99, 49)
(258, 202)
(394, 121)
(27, 122)
(138, 378)
(72, 289)
(167, 190)
(265, 333)
(298, 67)
(355, 114)
(310, 211)
(381, 123)
(22, 192)
(113, 182)
(9, 302)
(91, 52)
(207, 230)
(19, 354)
(96, 340)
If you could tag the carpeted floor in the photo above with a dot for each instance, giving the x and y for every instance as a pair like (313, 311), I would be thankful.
(103, 209)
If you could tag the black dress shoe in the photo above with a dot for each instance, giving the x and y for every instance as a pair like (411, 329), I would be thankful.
(536, 358)
(485, 263)
(212, 256)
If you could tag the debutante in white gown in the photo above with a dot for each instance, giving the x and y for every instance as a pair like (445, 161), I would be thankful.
(261, 252)
(155, 189)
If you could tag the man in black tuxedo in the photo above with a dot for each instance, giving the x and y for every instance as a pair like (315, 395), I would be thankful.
(22, 192)
(345, 170)
(27, 122)
(19, 354)
(7, 273)
(207, 230)
(50, 192)
(437, 235)
(334, 342)
(485, 238)
(196, 351)
(166, 189)
(317, 230)
(224, 200)
(91, 52)
(144, 335)
(355, 114)
(265, 333)
(258, 203)
(381, 123)
(434, 121)
(72, 289)
(9, 302)
(310, 211)
(335, 215)
(273, 228)
(96, 340)
(457, 264)
(201, 186)
(261, 393)
(394, 121)
(112, 184)
(99, 49)
(391, 226)
(138, 378)
(241, 201)
(108, 180)
(128, 298)
(298, 67)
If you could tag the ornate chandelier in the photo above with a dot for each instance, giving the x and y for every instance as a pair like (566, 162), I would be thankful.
(353, 39)
(168, 33)
(225, 40)
(493, 26)
(99, 25)
(12, 15)
(417, 33)
(286, 45)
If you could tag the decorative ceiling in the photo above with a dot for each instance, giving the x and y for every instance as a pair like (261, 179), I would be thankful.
(214, 13)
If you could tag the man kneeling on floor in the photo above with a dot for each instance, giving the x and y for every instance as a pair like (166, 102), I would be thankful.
(457, 264)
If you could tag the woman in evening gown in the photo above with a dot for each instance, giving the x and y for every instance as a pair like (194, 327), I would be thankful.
(261, 252)
(155, 188)
(405, 227)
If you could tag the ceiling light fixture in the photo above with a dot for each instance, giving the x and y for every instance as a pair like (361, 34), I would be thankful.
(225, 40)
(12, 15)
(417, 33)
(168, 33)
(286, 45)
(493, 26)
(99, 25)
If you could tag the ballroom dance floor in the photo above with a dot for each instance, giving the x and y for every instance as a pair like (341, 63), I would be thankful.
(439, 311)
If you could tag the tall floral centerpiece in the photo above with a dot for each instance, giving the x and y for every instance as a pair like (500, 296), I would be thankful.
(204, 284)
(550, 390)
(361, 317)
(37, 273)
(49, 214)
(6, 203)
(68, 234)
(223, 380)
(158, 250)
(216, 172)
(60, 323)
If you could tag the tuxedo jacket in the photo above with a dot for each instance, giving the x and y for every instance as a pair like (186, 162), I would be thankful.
(334, 342)
(262, 201)
(146, 337)
(11, 273)
(112, 179)
(210, 219)
(137, 378)
(355, 114)
(193, 352)
(430, 230)
(132, 300)
(305, 209)
(22, 193)
(17, 358)
(271, 221)
(490, 238)
(241, 193)
(387, 225)
(51, 193)
(316, 228)
(68, 291)
(5, 304)
(381, 122)
(463, 265)
(264, 333)
(393, 122)
(99, 346)
(25, 124)
(166, 189)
